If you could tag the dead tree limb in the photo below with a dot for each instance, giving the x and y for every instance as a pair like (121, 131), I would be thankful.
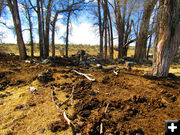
(85, 75)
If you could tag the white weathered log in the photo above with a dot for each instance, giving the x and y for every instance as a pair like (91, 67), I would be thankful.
(85, 75)
(66, 118)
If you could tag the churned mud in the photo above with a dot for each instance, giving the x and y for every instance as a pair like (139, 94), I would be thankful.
(33, 97)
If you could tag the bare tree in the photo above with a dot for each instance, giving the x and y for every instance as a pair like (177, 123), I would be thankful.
(13, 6)
(167, 37)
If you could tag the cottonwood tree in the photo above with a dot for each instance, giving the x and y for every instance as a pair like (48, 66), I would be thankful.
(167, 39)
(141, 45)
(13, 6)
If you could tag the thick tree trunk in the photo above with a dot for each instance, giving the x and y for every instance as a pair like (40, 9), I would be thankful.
(67, 32)
(100, 29)
(46, 36)
(167, 38)
(140, 52)
(13, 6)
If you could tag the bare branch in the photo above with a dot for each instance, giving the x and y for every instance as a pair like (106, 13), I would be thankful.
(85, 75)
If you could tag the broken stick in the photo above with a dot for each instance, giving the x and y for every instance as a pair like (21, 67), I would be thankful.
(72, 100)
(85, 75)
(116, 73)
(66, 118)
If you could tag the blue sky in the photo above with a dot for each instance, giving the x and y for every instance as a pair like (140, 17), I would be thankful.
(82, 31)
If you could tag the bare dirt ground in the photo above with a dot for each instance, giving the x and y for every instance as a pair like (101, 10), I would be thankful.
(127, 103)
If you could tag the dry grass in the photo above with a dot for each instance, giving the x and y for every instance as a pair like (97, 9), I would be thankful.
(60, 49)
(73, 49)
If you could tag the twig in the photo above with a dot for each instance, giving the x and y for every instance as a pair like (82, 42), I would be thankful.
(52, 98)
(101, 129)
(106, 108)
(85, 75)
(69, 97)
(72, 100)
(66, 118)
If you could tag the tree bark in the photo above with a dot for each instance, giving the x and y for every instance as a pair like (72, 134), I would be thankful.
(140, 50)
(167, 38)
(13, 6)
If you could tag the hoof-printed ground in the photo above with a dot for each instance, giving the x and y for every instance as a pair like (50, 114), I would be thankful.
(127, 103)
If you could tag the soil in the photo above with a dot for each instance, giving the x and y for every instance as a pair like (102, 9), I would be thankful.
(127, 103)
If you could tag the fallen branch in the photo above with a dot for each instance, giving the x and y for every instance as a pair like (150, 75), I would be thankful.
(66, 118)
(52, 98)
(116, 73)
(106, 108)
(85, 75)
(72, 100)
(101, 129)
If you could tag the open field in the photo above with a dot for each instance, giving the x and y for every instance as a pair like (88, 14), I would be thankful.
(34, 96)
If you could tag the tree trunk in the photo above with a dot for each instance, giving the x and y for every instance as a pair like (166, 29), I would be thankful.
(105, 28)
(67, 32)
(149, 47)
(111, 35)
(167, 38)
(13, 6)
(40, 27)
(140, 52)
(53, 34)
(46, 36)
(100, 29)
(1, 6)
(30, 31)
